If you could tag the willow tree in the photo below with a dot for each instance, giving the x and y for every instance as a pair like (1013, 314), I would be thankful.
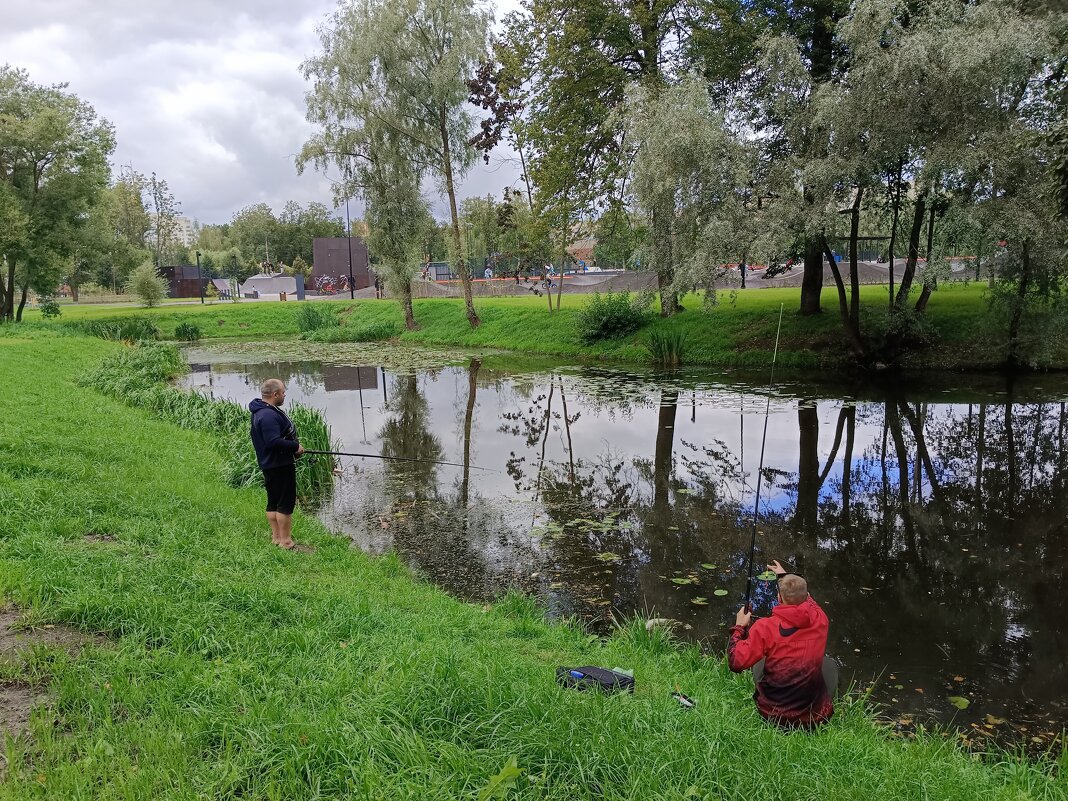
(403, 65)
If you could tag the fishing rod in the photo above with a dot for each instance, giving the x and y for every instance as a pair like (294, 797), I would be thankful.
(397, 459)
(760, 469)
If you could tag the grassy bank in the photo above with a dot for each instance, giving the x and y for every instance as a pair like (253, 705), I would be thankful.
(740, 332)
(232, 669)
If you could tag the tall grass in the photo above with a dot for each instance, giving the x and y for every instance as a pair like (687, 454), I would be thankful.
(118, 329)
(139, 376)
(235, 670)
(315, 316)
(667, 348)
(373, 331)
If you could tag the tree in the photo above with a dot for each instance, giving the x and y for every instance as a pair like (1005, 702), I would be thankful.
(53, 169)
(253, 231)
(404, 65)
(165, 211)
(147, 284)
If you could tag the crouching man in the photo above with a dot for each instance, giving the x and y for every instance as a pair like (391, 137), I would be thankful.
(794, 677)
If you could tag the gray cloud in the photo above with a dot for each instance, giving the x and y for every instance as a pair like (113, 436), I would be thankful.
(206, 94)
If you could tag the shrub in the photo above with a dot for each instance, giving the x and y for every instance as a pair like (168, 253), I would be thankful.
(667, 348)
(889, 334)
(49, 307)
(187, 332)
(148, 285)
(368, 332)
(611, 316)
(315, 316)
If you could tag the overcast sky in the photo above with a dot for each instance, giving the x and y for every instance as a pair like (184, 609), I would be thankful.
(207, 94)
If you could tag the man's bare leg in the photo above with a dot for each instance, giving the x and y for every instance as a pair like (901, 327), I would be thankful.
(272, 520)
(285, 530)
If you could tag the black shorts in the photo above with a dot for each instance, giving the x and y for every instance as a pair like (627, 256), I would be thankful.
(281, 484)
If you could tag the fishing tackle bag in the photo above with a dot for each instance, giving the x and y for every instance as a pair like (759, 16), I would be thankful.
(589, 677)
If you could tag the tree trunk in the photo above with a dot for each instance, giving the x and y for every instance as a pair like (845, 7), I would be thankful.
(852, 334)
(669, 299)
(406, 304)
(930, 283)
(560, 285)
(812, 278)
(7, 309)
(461, 261)
(847, 465)
(896, 203)
(854, 275)
(1014, 359)
(914, 250)
(472, 390)
(22, 303)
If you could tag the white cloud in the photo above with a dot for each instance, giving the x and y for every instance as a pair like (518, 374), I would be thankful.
(208, 95)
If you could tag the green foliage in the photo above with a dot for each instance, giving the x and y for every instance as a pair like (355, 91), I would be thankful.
(892, 333)
(612, 316)
(667, 348)
(140, 376)
(147, 285)
(187, 332)
(48, 307)
(315, 316)
(362, 332)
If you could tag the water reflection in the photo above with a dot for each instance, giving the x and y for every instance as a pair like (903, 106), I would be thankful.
(929, 521)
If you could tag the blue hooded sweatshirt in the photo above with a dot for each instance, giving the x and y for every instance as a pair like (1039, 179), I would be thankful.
(273, 435)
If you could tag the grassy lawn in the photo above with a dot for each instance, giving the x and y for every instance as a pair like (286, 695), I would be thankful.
(231, 669)
(739, 332)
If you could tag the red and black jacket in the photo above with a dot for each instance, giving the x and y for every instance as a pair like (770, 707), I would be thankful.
(793, 641)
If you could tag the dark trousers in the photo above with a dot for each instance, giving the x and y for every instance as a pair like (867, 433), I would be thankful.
(830, 674)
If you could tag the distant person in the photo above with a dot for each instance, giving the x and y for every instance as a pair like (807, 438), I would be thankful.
(488, 273)
(275, 439)
(743, 269)
(795, 679)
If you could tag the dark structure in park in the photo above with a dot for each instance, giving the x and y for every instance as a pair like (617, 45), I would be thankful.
(183, 282)
(330, 258)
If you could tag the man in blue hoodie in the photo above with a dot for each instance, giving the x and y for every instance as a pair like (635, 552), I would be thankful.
(275, 439)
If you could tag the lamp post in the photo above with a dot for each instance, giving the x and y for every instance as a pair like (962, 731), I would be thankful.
(200, 282)
(348, 224)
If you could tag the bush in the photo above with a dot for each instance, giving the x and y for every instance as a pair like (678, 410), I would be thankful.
(891, 334)
(612, 315)
(667, 348)
(187, 332)
(148, 285)
(368, 332)
(315, 316)
(49, 307)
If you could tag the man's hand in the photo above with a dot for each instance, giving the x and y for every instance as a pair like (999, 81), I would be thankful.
(300, 451)
(743, 617)
(776, 568)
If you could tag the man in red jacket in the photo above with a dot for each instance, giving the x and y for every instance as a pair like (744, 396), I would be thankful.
(787, 651)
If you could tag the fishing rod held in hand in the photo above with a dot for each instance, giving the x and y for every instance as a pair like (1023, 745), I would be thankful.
(760, 469)
(395, 459)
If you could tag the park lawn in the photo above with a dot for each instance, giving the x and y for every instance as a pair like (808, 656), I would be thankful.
(227, 668)
(738, 332)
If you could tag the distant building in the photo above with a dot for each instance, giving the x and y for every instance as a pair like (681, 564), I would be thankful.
(330, 259)
(186, 231)
(182, 280)
(272, 285)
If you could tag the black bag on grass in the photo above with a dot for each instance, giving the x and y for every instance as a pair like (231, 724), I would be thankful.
(589, 677)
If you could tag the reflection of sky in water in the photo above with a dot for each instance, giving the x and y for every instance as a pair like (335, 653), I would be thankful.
(490, 546)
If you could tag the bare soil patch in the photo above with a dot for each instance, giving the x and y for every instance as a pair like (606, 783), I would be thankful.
(18, 698)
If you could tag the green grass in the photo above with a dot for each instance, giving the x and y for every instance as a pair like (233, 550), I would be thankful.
(236, 670)
(739, 332)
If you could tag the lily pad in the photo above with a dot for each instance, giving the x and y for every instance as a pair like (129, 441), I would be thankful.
(608, 556)
(699, 601)
(959, 701)
(682, 581)
(767, 575)
(720, 593)
(708, 566)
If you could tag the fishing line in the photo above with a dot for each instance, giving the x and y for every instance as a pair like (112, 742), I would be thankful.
(398, 459)
(760, 469)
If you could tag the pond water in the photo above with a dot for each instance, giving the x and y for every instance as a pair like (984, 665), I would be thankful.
(929, 519)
